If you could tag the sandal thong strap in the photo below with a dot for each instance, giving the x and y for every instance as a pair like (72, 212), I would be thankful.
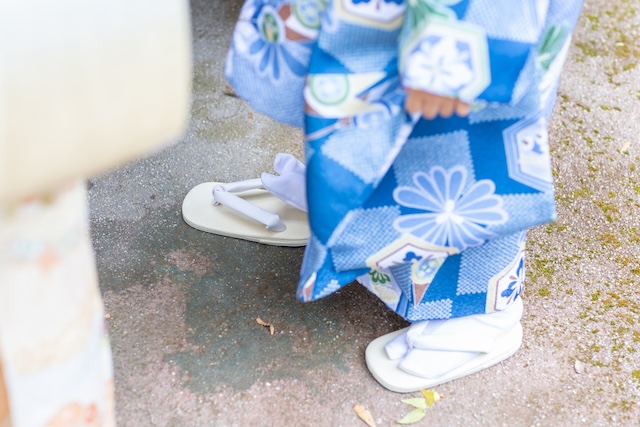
(460, 343)
(224, 194)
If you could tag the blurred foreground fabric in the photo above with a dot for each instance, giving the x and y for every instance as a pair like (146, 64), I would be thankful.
(84, 87)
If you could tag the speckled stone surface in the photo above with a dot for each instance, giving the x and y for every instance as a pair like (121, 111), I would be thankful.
(183, 303)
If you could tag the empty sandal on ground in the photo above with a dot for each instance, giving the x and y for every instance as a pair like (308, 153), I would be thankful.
(434, 352)
(269, 210)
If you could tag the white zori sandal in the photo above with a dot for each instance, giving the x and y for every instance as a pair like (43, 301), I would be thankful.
(434, 352)
(270, 209)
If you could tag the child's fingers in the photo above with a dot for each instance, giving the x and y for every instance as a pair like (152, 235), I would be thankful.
(413, 103)
(431, 106)
(462, 109)
(447, 107)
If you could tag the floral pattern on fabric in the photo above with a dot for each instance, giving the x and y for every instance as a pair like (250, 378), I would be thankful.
(388, 192)
(506, 286)
(455, 216)
(265, 27)
(380, 283)
(446, 57)
(270, 53)
(441, 63)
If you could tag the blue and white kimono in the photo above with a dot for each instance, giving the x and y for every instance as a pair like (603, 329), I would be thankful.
(429, 215)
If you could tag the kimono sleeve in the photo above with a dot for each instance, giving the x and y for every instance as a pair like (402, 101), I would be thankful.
(472, 50)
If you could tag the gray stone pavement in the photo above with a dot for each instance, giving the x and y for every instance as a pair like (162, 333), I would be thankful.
(183, 303)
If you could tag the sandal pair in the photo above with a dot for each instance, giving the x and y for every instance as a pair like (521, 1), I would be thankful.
(272, 210)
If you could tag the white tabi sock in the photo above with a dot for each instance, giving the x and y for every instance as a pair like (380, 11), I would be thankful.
(433, 348)
(290, 186)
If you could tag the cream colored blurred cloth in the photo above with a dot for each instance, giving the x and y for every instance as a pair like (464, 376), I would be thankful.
(54, 350)
(85, 85)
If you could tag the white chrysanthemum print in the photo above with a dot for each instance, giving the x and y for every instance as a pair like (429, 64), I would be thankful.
(454, 216)
(440, 65)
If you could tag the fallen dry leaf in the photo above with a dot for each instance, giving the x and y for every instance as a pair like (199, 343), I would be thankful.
(364, 415)
(413, 416)
(416, 402)
(625, 147)
(272, 329)
(421, 404)
(229, 91)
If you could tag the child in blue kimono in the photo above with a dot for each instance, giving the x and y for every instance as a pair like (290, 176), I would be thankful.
(427, 158)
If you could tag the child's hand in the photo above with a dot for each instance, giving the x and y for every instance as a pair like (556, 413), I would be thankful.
(432, 106)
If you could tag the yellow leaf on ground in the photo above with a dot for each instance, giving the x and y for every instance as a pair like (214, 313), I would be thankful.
(413, 416)
(432, 397)
(416, 402)
(364, 415)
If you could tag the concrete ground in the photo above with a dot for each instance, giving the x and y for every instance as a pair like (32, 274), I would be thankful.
(183, 303)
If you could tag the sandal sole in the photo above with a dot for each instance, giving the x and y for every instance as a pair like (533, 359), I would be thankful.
(199, 211)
